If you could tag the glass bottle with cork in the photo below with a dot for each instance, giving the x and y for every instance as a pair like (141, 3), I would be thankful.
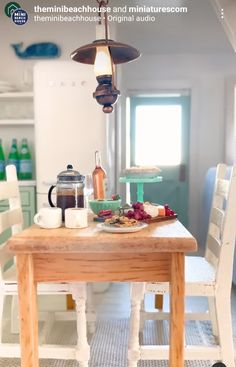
(99, 178)
(2, 162)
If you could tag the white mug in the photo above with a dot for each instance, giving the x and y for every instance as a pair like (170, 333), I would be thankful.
(76, 217)
(49, 218)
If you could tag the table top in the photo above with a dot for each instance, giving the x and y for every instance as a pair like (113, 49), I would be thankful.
(169, 236)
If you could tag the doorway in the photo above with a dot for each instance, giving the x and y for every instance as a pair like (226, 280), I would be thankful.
(159, 136)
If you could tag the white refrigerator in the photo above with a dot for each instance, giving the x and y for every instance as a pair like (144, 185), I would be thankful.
(69, 124)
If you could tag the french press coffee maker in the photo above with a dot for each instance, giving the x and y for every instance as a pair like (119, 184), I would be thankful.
(69, 190)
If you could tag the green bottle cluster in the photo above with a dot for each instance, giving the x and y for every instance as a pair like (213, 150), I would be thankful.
(21, 160)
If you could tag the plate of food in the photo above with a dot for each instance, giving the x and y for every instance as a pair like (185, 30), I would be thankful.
(121, 224)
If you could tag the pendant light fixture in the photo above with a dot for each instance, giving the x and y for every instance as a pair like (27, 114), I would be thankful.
(104, 54)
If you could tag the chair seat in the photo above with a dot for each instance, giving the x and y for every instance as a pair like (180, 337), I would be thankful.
(194, 280)
(10, 284)
(205, 271)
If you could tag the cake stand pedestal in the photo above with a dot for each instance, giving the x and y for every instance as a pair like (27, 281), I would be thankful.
(140, 181)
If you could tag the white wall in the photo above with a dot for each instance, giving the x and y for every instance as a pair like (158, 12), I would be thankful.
(68, 36)
(205, 76)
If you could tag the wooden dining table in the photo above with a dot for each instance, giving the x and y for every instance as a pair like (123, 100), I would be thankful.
(156, 253)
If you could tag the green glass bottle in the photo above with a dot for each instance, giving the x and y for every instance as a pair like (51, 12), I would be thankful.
(13, 156)
(2, 162)
(25, 162)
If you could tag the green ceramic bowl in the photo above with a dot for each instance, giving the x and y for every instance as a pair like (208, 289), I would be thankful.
(97, 205)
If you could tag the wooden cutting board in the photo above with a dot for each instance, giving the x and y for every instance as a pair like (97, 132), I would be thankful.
(160, 219)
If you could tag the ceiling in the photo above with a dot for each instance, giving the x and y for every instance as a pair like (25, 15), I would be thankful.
(197, 31)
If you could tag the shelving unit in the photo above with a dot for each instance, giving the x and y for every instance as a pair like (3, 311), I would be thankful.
(18, 122)
(11, 98)
(17, 95)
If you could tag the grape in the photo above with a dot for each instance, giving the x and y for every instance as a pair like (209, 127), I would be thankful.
(138, 212)
(137, 216)
(138, 206)
(130, 214)
(145, 215)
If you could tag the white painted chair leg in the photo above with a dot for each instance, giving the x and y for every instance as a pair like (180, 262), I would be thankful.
(14, 315)
(212, 311)
(90, 311)
(137, 294)
(142, 317)
(79, 294)
(47, 328)
(224, 321)
(2, 299)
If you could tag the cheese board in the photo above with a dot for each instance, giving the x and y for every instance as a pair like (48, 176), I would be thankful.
(160, 219)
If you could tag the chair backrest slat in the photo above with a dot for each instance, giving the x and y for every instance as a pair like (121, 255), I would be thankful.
(217, 217)
(222, 225)
(8, 190)
(214, 245)
(12, 217)
(5, 255)
(222, 188)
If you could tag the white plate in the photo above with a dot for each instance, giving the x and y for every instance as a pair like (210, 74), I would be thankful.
(114, 229)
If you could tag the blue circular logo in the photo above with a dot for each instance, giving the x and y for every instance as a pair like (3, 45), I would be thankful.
(19, 17)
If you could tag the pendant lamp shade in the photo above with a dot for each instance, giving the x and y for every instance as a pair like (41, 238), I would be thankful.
(120, 52)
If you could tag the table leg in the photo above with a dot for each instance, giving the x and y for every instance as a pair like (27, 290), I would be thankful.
(177, 311)
(27, 294)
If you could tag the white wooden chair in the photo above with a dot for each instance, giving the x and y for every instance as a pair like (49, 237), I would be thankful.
(209, 276)
(12, 218)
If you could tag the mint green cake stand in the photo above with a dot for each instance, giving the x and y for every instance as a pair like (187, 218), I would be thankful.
(140, 182)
